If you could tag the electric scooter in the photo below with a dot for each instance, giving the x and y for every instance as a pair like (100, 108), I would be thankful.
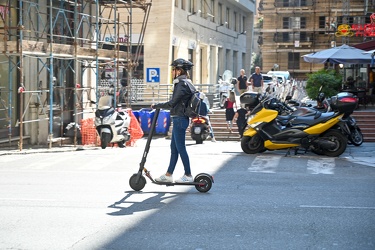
(202, 182)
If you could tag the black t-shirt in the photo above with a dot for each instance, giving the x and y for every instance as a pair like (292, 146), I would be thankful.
(243, 82)
(241, 119)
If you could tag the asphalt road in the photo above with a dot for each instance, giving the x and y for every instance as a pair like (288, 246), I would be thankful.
(82, 200)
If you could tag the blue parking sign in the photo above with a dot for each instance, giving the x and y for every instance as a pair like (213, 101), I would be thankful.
(153, 75)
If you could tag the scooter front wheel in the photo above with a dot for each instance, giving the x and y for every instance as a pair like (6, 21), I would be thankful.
(252, 144)
(137, 186)
(205, 183)
(105, 139)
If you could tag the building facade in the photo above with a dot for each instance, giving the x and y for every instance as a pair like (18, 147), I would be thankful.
(59, 55)
(215, 35)
(293, 28)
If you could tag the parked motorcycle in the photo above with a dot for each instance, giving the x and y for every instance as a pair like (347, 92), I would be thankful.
(199, 129)
(355, 136)
(321, 133)
(111, 124)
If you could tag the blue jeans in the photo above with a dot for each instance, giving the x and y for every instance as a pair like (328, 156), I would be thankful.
(178, 146)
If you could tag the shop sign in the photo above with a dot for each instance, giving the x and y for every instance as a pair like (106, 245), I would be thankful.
(366, 30)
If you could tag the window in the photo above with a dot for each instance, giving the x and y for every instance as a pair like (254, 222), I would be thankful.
(191, 7)
(295, 23)
(212, 10)
(220, 14)
(227, 17)
(322, 23)
(293, 60)
(202, 8)
(183, 4)
(235, 21)
(243, 23)
(293, 3)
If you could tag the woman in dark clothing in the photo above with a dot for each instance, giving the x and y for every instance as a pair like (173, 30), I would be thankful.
(240, 119)
(181, 95)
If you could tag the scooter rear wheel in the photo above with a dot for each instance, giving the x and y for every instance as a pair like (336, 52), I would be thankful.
(121, 144)
(356, 137)
(340, 141)
(137, 186)
(206, 183)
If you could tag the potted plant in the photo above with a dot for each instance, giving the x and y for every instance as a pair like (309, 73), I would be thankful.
(329, 79)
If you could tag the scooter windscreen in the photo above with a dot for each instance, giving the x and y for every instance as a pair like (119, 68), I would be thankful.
(227, 76)
(105, 102)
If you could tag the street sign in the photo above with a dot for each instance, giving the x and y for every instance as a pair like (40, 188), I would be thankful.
(153, 75)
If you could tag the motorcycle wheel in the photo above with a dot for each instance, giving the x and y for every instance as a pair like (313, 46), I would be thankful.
(198, 141)
(339, 139)
(104, 140)
(252, 145)
(356, 137)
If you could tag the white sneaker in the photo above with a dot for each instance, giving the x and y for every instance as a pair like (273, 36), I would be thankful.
(164, 178)
(185, 178)
(213, 140)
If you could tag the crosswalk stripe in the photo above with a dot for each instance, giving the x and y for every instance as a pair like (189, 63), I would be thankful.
(265, 164)
(321, 166)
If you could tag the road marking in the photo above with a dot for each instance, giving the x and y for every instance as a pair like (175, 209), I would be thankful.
(265, 164)
(337, 207)
(321, 166)
(25, 199)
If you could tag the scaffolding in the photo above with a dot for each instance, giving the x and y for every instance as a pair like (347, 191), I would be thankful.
(55, 55)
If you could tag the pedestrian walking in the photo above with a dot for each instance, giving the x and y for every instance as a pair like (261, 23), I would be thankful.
(256, 81)
(240, 119)
(242, 83)
(180, 97)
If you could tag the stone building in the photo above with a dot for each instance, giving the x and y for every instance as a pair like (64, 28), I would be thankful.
(216, 35)
(292, 28)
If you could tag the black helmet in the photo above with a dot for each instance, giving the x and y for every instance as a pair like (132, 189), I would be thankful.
(321, 97)
(182, 63)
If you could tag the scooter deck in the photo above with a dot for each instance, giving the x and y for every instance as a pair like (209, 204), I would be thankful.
(178, 183)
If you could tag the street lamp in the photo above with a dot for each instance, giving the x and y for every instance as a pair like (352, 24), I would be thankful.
(223, 24)
(195, 12)
(242, 33)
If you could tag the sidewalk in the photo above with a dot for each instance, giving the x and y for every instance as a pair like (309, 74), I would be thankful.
(45, 149)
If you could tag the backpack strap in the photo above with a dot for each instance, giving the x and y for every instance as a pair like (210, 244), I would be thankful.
(190, 85)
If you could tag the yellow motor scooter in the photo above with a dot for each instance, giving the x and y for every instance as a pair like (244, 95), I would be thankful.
(321, 132)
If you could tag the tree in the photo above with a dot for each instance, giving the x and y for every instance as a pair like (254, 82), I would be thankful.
(256, 61)
(329, 79)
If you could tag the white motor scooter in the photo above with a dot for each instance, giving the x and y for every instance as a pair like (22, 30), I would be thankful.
(226, 85)
(111, 124)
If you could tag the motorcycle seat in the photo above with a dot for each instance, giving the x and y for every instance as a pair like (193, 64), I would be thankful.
(318, 118)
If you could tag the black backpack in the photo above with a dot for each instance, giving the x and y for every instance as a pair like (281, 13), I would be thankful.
(192, 107)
